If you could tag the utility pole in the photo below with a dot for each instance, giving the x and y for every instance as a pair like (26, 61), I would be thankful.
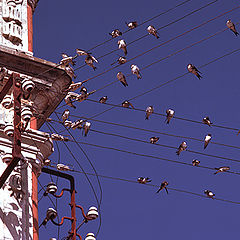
(30, 90)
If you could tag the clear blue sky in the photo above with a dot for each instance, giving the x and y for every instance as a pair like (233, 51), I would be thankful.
(134, 211)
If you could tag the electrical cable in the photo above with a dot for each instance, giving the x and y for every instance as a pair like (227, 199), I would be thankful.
(148, 130)
(167, 25)
(88, 159)
(144, 155)
(170, 40)
(157, 186)
(90, 183)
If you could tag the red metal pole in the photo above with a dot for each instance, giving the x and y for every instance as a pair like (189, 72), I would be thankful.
(16, 152)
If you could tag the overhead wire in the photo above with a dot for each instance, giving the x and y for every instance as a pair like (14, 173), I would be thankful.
(147, 130)
(145, 155)
(167, 25)
(168, 41)
(90, 183)
(88, 159)
(157, 186)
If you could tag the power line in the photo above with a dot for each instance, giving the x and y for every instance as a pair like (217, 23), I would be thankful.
(90, 183)
(148, 130)
(167, 25)
(88, 159)
(150, 19)
(157, 186)
(170, 40)
(169, 81)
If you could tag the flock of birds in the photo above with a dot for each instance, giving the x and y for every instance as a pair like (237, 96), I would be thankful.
(67, 61)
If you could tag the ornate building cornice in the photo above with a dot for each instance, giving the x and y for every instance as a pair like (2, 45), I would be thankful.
(33, 3)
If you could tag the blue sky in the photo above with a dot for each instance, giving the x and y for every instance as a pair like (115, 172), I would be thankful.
(134, 211)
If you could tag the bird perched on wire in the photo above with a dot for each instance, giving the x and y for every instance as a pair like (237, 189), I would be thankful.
(163, 186)
(65, 115)
(103, 99)
(144, 180)
(67, 123)
(170, 114)
(115, 33)
(149, 111)
(207, 140)
(83, 90)
(182, 147)
(89, 60)
(207, 121)
(126, 104)
(232, 27)
(77, 124)
(154, 140)
(3, 73)
(121, 60)
(192, 69)
(74, 86)
(67, 60)
(58, 137)
(62, 167)
(195, 162)
(222, 169)
(132, 25)
(209, 193)
(70, 71)
(121, 77)
(86, 128)
(82, 52)
(122, 45)
(135, 70)
(152, 30)
(68, 100)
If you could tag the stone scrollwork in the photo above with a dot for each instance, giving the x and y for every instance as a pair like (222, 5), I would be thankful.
(15, 186)
(12, 25)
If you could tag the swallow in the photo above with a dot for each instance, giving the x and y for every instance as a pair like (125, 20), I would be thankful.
(65, 115)
(192, 69)
(181, 148)
(74, 86)
(83, 90)
(89, 60)
(132, 25)
(3, 73)
(126, 104)
(77, 124)
(154, 140)
(207, 121)
(86, 128)
(122, 45)
(207, 140)
(103, 99)
(149, 111)
(58, 137)
(231, 26)
(68, 101)
(70, 71)
(152, 30)
(121, 77)
(81, 52)
(195, 162)
(121, 60)
(163, 185)
(135, 70)
(66, 60)
(222, 169)
(62, 167)
(67, 123)
(209, 193)
(115, 33)
(144, 180)
(170, 114)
